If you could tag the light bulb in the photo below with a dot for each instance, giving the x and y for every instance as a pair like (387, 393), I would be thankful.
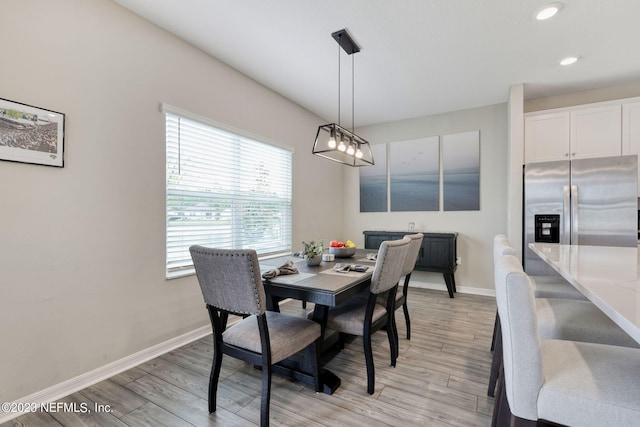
(332, 139)
(342, 147)
(359, 153)
(350, 150)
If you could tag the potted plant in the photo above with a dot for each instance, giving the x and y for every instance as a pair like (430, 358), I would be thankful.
(313, 252)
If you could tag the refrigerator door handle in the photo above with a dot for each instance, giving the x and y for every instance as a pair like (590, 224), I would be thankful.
(566, 217)
(574, 215)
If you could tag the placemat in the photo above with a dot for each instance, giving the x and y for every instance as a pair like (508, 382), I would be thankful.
(349, 274)
(291, 278)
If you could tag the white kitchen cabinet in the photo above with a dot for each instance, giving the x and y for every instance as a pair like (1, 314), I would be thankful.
(546, 137)
(596, 132)
(573, 133)
(631, 130)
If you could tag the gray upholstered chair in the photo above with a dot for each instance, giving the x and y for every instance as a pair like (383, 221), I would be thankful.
(565, 382)
(409, 264)
(543, 286)
(560, 318)
(364, 316)
(231, 284)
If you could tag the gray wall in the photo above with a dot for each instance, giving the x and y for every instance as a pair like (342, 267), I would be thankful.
(82, 253)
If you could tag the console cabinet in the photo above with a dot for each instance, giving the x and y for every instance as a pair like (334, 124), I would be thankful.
(438, 252)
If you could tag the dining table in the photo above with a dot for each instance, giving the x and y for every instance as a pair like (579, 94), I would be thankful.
(607, 275)
(323, 286)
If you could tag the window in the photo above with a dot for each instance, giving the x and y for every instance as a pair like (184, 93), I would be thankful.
(224, 190)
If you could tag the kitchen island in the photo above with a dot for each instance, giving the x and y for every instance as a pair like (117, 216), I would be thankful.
(606, 275)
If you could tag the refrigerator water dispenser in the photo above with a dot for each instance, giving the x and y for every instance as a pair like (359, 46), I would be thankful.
(547, 228)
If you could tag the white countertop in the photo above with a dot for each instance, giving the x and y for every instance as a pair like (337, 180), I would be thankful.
(607, 275)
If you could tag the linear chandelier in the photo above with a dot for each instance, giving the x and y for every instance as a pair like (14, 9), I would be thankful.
(333, 141)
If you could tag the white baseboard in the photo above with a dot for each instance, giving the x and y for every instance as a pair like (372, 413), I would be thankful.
(460, 289)
(87, 379)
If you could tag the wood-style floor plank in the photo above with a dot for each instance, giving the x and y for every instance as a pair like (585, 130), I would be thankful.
(440, 380)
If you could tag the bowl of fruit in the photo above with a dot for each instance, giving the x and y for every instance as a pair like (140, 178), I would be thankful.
(341, 249)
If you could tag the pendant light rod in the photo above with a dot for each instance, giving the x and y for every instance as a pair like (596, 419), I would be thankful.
(339, 97)
(353, 96)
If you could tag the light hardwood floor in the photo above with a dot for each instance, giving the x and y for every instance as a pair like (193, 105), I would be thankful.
(440, 379)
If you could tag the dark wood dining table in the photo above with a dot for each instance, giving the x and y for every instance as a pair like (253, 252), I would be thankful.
(324, 287)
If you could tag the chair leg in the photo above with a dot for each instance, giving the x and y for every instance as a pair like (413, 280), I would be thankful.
(404, 306)
(501, 411)
(502, 416)
(495, 327)
(368, 356)
(496, 362)
(392, 335)
(214, 376)
(406, 318)
(266, 396)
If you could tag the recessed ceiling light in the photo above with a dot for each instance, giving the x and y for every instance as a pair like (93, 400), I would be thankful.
(569, 60)
(548, 11)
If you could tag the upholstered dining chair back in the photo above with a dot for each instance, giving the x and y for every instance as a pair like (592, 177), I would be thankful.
(501, 246)
(231, 284)
(412, 253)
(389, 265)
(230, 279)
(364, 316)
(521, 345)
(415, 244)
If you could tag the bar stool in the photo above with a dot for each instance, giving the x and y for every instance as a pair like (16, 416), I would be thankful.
(560, 381)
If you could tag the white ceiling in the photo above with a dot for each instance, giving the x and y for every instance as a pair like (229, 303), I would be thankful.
(419, 57)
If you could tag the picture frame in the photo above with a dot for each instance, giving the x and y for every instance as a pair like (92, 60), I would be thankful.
(30, 134)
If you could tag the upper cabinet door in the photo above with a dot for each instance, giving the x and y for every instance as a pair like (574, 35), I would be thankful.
(596, 132)
(631, 128)
(631, 131)
(546, 137)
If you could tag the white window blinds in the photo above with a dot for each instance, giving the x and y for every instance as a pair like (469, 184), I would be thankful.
(224, 190)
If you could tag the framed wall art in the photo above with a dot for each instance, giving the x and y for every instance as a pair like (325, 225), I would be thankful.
(461, 171)
(414, 170)
(373, 182)
(31, 134)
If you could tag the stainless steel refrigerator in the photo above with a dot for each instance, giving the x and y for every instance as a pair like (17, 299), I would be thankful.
(586, 202)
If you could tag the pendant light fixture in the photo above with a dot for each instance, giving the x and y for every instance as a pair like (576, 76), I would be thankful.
(333, 141)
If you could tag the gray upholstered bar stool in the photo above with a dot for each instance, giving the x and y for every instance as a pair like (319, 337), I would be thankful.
(561, 381)
(543, 286)
(559, 318)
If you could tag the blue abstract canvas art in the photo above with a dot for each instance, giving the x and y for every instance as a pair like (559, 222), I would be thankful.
(414, 175)
(461, 171)
(373, 182)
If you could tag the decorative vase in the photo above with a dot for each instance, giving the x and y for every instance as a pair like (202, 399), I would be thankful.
(314, 260)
